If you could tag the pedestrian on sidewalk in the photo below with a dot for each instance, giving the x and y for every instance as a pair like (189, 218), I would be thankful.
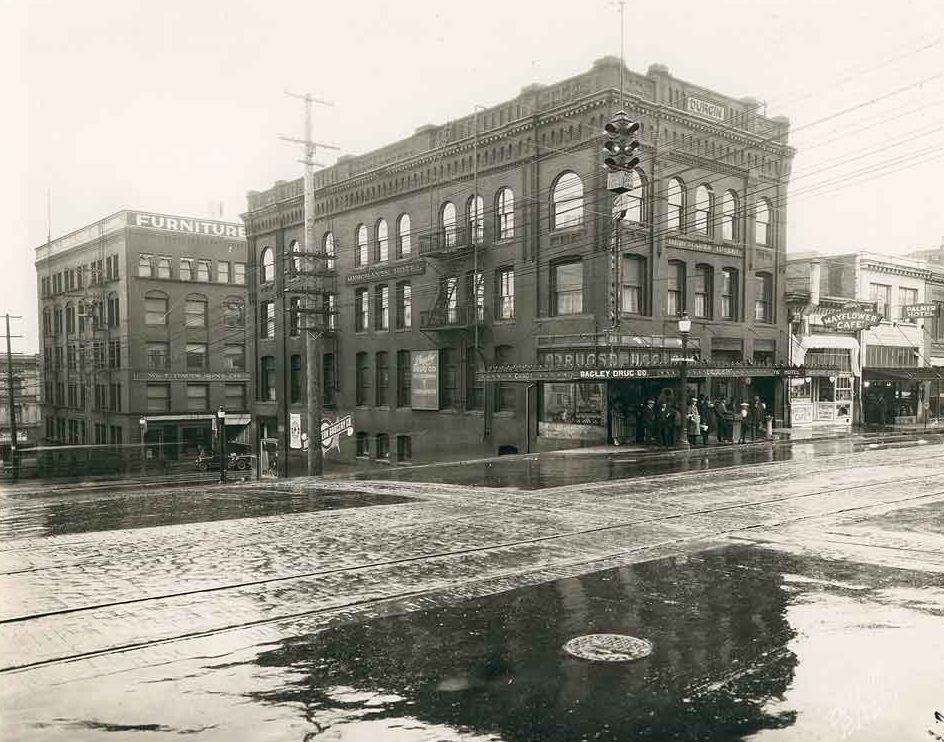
(667, 425)
(707, 414)
(692, 421)
(648, 417)
(722, 425)
(744, 416)
(758, 419)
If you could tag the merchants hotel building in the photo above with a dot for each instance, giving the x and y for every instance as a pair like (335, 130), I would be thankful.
(143, 333)
(489, 294)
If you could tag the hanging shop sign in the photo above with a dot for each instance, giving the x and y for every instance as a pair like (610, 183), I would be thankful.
(918, 311)
(851, 319)
(331, 432)
(424, 380)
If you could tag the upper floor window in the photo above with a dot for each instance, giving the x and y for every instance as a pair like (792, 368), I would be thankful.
(675, 198)
(268, 265)
(144, 266)
(447, 219)
(404, 305)
(729, 293)
(404, 239)
(703, 198)
(505, 291)
(382, 382)
(222, 271)
(474, 209)
(729, 229)
(567, 288)
(295, 379)
(567, 202)
(239, 273)
(155, 308)
(703, 280)
(234, 312)
(881, 294)
(267, 319)
(763, 301)
(295, 252)
(294, 316)
(631, 202)
(163, 268)
(907, 297)
(267, 378)
(475, 284)
(675, 289)
(505, 214)
(361, 302)
(196, 356)
(203, 271)
(361, 379)
(383, 241)
(329, 249)
(360, 245)
(186, 269)
(195, 311)
(634, 280)
(762, 222)
(382, 310)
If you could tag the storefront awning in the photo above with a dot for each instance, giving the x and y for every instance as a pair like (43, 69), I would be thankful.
(921, 373)
(232, 418)
(532, 374)
(802, 345)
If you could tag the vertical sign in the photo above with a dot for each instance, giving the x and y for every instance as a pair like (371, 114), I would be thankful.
(424, 386)
(295, 430)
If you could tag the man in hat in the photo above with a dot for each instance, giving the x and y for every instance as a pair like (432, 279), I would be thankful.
(744, 416)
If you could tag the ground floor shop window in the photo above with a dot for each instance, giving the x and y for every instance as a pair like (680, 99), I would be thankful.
(383, 446)
(404, 448)
(363, 444)
(574, 403)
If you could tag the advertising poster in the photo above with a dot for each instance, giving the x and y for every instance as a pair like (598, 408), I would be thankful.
(424, 389)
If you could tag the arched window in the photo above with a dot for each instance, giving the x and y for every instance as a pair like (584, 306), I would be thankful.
(473, 210)
(296, 252)
(447, 222)
(360, 242)
(703, 209)
(268, 265)
(729, 229)
(195, 311)
(631, 202)
(404, 240)
(329, 249)
(155, 308)
(567, 202)
(675, 197)
(234, 312)
(505, 214)
(762, 223)
(383, 243)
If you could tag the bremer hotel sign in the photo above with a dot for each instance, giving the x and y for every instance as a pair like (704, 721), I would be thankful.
(186, 225)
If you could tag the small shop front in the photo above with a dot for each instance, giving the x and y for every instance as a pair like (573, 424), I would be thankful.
(826, 393)
(171, 438)
(903, 396)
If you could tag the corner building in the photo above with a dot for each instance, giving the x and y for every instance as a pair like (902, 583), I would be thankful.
(143, 335)
(491, 295)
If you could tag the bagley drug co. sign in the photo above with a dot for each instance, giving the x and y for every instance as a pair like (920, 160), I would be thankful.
(852, 319)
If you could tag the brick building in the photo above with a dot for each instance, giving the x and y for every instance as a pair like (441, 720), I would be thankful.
(476, 271)
(26, 398)
(143, 329)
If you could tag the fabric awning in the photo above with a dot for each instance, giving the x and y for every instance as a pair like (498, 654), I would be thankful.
(826, 342)
(919, 373)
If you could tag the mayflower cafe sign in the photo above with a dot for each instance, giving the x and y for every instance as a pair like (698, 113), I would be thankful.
(850, 319)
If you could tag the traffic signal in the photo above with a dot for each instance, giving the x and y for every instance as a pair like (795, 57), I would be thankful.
(619, 146)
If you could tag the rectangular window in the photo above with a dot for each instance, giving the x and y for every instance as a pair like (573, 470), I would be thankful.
(939, 321)
(362, 371)
(155, 310)
(404, 371)
(331, 312)
(451, 290)
(361, 312)
(295, 379)
(729, 293)
(506, 293)
(448, 378)
(404, 448)
(158, 356)
(114, 354)
(504, 393)
(234, 357)
(383, 446)
(195, 311)
(114, 397)
(267, 319)
(239, 273)
(675, 289)
(163, 267)
(476, 287)
(294, 316)
(763, 302)
(328, 379)
(198, 397)
(382, 315)
(113, 307)
(633, 298)
(404, 306)
(235, 397)
(196, 356)
(186, 269)
(383, 379)
(475, 388)
(567, 288)
(144, 266)
(222, 272)
(363, 443)
(882, 296)
(703, 279)
(203, 271)
(267, 379)
(158, 397)
(906, 297)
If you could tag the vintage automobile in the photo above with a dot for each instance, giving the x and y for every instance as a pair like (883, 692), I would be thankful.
(239, 461)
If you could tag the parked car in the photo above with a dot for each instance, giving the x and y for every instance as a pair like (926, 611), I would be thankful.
(239, 461)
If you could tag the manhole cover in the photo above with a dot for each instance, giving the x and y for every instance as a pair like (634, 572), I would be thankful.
(608, 647)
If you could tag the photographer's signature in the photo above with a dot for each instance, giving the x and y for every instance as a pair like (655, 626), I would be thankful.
(939, 725)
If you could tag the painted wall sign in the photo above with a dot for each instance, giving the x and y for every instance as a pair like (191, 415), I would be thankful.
(704, 108)
(708, 247)
(331, 432)
(190, 376)
(413, 268)
(424, 380)
(918, 311)
(294, 430)
(851, 319)
(186, 226)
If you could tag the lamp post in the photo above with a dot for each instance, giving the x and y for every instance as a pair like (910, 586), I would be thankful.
(142, 422)
(221, 431)
(684, 328)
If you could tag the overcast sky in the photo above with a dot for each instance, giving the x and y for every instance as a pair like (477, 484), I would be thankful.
(169, 105)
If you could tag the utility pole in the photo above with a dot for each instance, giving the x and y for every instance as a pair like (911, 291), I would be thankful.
(316, 268)
(11, 395)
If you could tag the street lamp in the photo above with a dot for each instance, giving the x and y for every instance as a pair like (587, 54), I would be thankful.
(221, 431)
(684, 328)
(142, 423)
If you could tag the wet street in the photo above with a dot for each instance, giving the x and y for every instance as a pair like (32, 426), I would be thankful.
(787, 593)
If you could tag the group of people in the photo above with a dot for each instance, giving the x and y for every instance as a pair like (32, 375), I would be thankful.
(661, 422)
